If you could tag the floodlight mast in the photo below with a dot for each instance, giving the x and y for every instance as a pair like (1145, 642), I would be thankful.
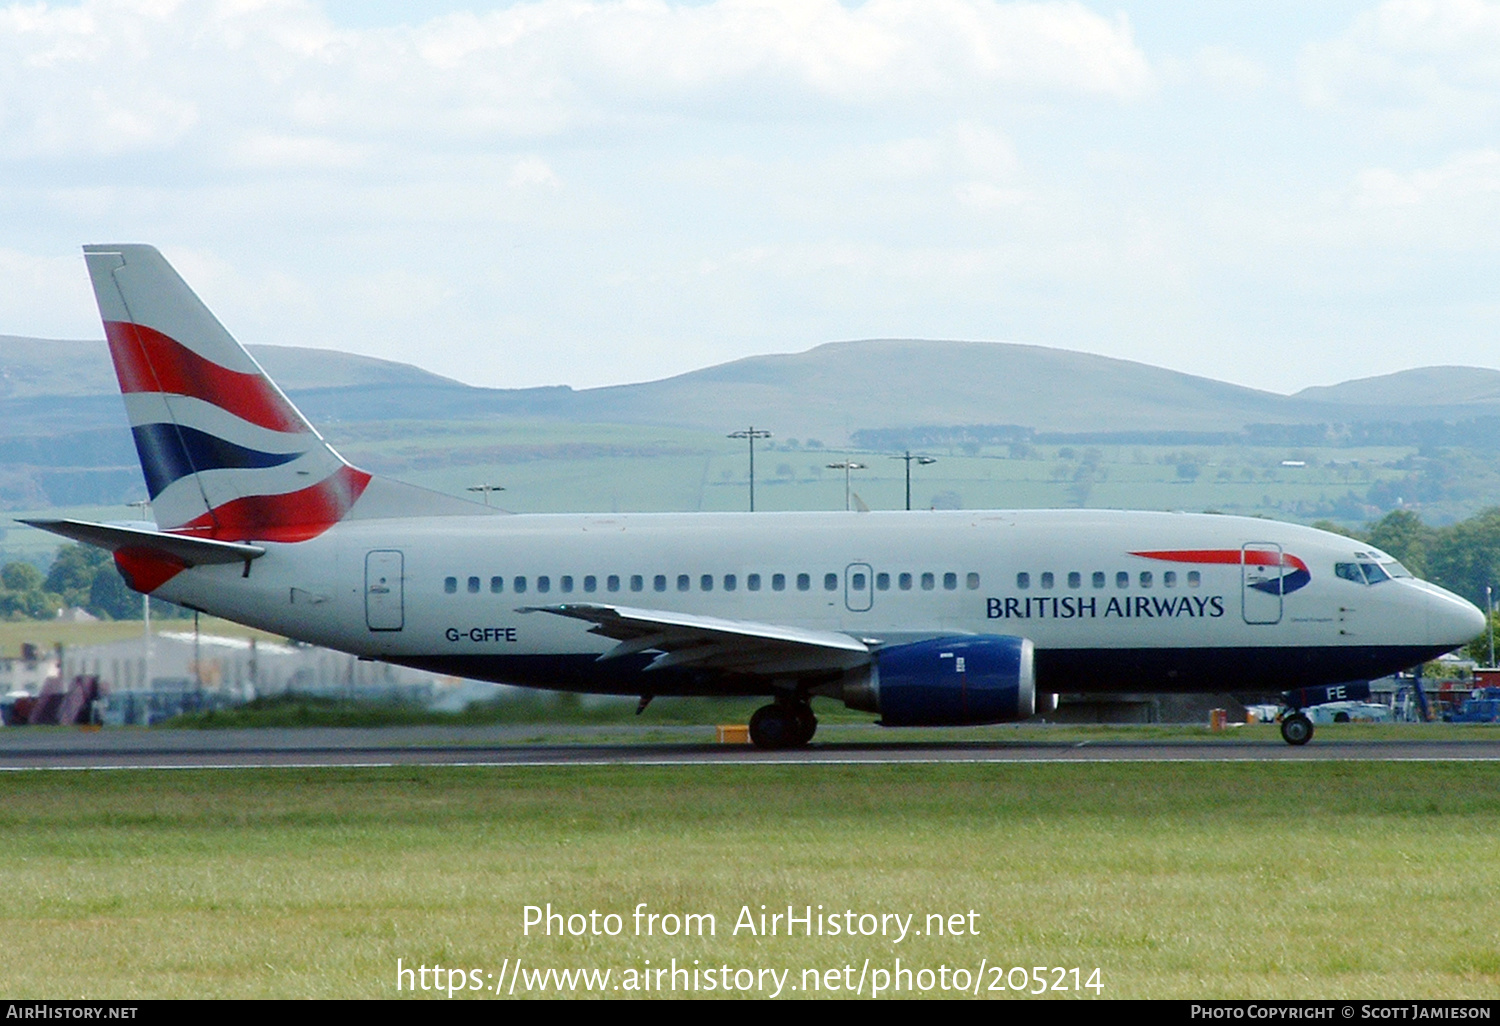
(145, 507)
(922, 461)
(751, 434)
(846, 466)
(486, 489)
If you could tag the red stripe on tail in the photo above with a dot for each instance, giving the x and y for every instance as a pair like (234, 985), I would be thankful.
(146, 569)
(148, 361)
(290, 517)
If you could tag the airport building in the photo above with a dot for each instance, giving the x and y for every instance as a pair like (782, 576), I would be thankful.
(136, 681)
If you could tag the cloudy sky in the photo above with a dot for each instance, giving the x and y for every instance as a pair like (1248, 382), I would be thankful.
(1274, 193)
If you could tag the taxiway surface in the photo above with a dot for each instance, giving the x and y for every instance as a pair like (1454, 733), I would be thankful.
(25, 748)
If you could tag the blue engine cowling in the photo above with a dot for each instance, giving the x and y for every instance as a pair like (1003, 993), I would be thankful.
(950, 682)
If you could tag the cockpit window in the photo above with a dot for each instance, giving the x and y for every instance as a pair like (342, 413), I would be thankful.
(1368, 572)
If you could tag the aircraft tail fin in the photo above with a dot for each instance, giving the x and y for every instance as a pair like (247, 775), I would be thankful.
(225, 453)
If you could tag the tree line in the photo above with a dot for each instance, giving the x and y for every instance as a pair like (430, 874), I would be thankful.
(81, 576)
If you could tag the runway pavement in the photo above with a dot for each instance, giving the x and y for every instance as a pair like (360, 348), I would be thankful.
(34, 749)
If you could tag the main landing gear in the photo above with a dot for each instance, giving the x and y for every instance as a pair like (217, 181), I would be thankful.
(1296, 729)
(783, 725)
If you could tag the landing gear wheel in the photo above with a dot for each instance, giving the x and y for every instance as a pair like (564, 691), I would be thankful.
(805, 724)
(778, 726)
(772, 727)
(1296, 729)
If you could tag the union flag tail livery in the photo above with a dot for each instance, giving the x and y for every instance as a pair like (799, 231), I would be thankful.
(225, 454)
(922, 618)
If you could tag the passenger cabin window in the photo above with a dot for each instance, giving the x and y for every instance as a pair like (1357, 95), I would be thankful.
(684, 582)
(612, 583)
(904, 582)
(1047, 579)
(972, 583)
(830, 582)
(659, 582)
(590, 583)
(1193, 578)
(1145, 578)
(804, 582)
(497, 585)
(928, 582)
(1169, 579)
(857, 582)
(883, 582)
(950, 581)
(450, 584)
(565, 583)
(778, 582)
(1122, 579)
(1098, 578)
(1075, 579)
(752, 581)
(637, 582)
(544, 584)
(730, 583)
(473, 586)
(1023, 581)
(705, 583)
(519, 585)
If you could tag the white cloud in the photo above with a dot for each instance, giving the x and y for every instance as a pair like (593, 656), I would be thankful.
(1229, 72)
(245, 78)
(1421, 67)
(1458, 181)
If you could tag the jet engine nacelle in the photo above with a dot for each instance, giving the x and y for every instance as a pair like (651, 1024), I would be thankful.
(949, 682)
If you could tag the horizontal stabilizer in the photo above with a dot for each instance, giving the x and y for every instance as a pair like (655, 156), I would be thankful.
(189, 551)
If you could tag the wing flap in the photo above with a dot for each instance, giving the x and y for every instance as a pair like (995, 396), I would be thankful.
(715, 643)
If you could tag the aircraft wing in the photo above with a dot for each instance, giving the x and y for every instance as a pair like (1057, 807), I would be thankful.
(710, 642)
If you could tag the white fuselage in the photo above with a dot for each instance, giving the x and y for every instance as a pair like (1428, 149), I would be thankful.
(446, 592)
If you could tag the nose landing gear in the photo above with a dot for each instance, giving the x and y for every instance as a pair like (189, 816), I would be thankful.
(1296, 729)
(783, 725)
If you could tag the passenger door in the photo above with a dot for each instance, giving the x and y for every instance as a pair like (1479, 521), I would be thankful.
(1260, 582)
(859, 587)
(384, 607)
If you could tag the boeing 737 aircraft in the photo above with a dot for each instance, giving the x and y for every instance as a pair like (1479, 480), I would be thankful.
(931, 618)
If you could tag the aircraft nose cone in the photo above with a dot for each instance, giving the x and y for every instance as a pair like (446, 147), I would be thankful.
(1454, 619)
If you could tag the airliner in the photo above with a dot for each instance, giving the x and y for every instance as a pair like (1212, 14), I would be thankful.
(921, 618)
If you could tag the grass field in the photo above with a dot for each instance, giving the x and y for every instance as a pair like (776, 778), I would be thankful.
(1175, 880)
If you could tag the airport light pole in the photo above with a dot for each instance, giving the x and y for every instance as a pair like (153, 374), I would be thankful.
(145, 507)
(750, 434)
(486, 489)
(922, 461)
(846, 466)
(1489, 615)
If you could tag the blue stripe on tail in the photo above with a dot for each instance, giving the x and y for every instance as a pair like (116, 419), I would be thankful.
(170, 452)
